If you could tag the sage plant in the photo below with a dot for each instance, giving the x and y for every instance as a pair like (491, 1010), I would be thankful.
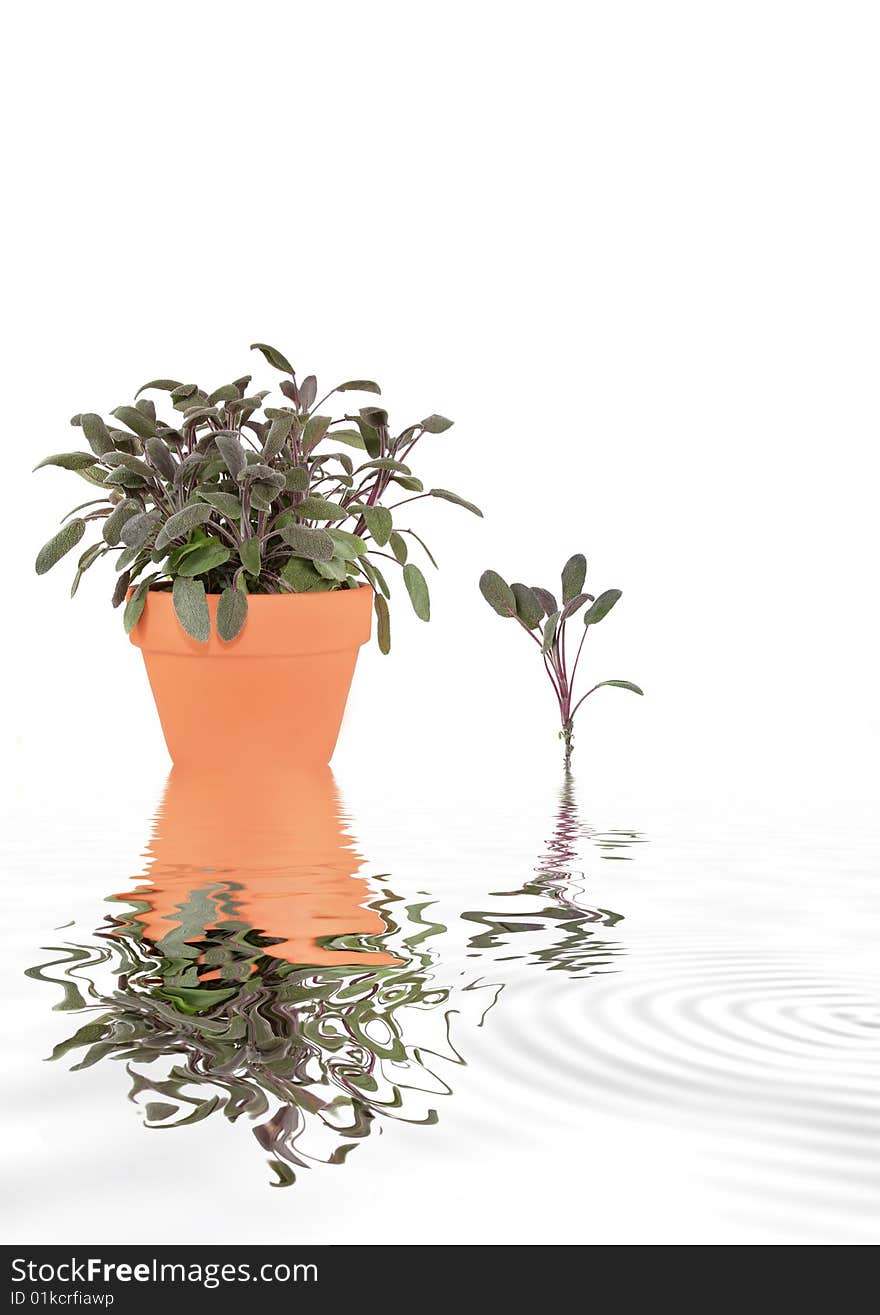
(546, 622)
(234, 497)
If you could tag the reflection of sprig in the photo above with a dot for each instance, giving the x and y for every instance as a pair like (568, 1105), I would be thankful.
(545, 621)
(320, 1051)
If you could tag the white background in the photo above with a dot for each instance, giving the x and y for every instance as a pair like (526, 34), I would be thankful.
(630, 248)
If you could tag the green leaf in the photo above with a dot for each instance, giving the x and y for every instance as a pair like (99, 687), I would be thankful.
(67, 537)
(166, 385)
(575, 604)
(409, 482)
(302, 576)
(453, 497)
(93, 474)
(90, 556)
(273, 356)
(573, 575)
(351, 437)
(375, 576)
(68, 460)
(126, 461)
(315, 545)
(249, 552)
(398, 546)
(379, 522)
(546, 599)
(135, 606)
(417, 588)
(137, 529)
(319, 509)
(385, 463)
(122, 512)
(176, 526)
(204, 559)
(296, 479)
(97, 434)
(383, 623)
(160, 457)
(424, 547)
(358, 386)
(232, 452)
(350, 545)
(620, 684)
(314, 431)
(498, 593)
(231, 613)
(136, 421)
(191, 607)
(550, 631)
(332, 570)
(226, 503)
(225, 393)
(279, 433)
(601, 607)
(528, 608)
(435, 424)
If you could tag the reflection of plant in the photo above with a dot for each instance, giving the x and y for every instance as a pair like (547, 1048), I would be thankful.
(321, 1051)
(564, 925)
(545, 621)
(236, 497)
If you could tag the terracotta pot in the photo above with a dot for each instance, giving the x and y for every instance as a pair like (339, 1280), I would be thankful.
(275, 694)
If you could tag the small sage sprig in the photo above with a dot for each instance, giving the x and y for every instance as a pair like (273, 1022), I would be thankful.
(236, 497)
(546, 621)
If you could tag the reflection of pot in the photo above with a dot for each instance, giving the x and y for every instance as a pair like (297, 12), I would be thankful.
(266, 853)
(274, 694)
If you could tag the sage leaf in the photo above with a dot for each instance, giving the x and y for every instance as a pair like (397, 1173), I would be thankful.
(122, 583)
(122, 512)
(351, 545)
(620, 684)
(306, 541)
(398, 546)
(435, 424)
(160, 457)
(166, 385)
(231, 613)
(67, 537)
(176, 526)
(232, 452)
(249, 552)
(601, 607)
(528, 608)
(191, 607)
(331, 570)
(92, 474)
(273, 356)
(351, 437)
(358, 386)
(279, 433)
(308, 391)
(545, 598)
(90, 555)
(296, 479)
(136, 421)
(225, 393)
(137, 529)
(226, 503)
(575, 604)
(135, 606)
(314, 431)
(383, 623)
(417, 588)
(549, 632)
(380, 524)
(498, 593)
(302, 576)
(375, 576)
(385, 463)
(573, 575)
(68, 460)
(454, 497)
(97, 434)
(205, 558)
(319, 509)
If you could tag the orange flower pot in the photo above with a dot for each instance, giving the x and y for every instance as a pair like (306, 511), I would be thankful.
(275, 694)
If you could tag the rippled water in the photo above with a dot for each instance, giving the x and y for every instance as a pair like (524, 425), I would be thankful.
(618, 1036)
